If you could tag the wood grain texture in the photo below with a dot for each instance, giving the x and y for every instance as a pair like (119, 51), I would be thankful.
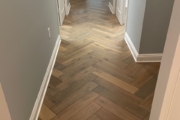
(95, 76)
(106, 115)
(83, 114)
(116, 81)
(46, 113)
(94, 117)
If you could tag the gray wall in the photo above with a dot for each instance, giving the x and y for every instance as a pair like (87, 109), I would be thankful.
(25, 50)
(147, 24)
(155, 26)
(135, 19)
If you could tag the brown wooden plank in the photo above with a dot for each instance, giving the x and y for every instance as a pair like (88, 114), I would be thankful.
(73, 88)
(56, 73)
(114, 72)
(117, 90)
(124, 103)
(142, 79)
(104, 114)
(86, 112)
(147, 117)
(147, 103)
(116, 81)
(147, 88)
(76, 78)
(46, 113)
(116, 110)
(93, 117)
(74, 97)
(76, 107)
(49, 101)
(54, 80)
(73, 71)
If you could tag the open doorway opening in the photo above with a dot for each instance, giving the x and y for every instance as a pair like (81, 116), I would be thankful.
(95, 75)
(119, 7)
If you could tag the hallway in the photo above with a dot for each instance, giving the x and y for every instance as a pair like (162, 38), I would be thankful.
(95, 76)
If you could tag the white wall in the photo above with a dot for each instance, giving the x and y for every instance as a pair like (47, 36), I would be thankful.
(25, 50)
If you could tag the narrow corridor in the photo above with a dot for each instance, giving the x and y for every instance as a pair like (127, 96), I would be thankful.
(95, 76)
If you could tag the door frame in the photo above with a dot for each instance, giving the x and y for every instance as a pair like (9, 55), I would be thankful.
(67, 7)
(112, 7)
(61, 12)
(120, 12)
(166, 99)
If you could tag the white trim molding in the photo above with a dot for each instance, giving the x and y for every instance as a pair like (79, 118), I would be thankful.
(141, 57)
(62, 15)
(43, 89)
(111, 8)
(68, 9)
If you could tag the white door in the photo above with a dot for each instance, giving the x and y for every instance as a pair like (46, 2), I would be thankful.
(61, 7)
(67, 6)
(120, 11)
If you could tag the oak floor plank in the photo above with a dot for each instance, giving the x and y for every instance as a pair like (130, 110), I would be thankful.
(74, 97)
(49, 101)
(117, 90)
(116, 81)
(76, 107)
(147, 103)
(83, 114)
(76, 78)
(93, 117)
(54, 80)
(116, 73)
(56, 73)
(104, 114)
(73, 88)
(142, 79)
(147, 117)
(46, 113)
(113, 108)
(71, 73)
(147, 88)
(121, 102)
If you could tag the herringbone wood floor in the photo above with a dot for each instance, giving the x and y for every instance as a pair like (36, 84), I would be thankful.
(95, 76)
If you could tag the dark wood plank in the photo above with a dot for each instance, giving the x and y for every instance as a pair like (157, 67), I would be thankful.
(73, 88)
(117, 90)
(87, 88)
(115, 109)
(124, 103)
(147, 88)
(104, 114)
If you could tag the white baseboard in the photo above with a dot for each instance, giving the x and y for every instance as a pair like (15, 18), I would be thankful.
(68, 9)
(149, 57)
(111, 8)
(141, 57)
(131, 47)
(43, 89)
